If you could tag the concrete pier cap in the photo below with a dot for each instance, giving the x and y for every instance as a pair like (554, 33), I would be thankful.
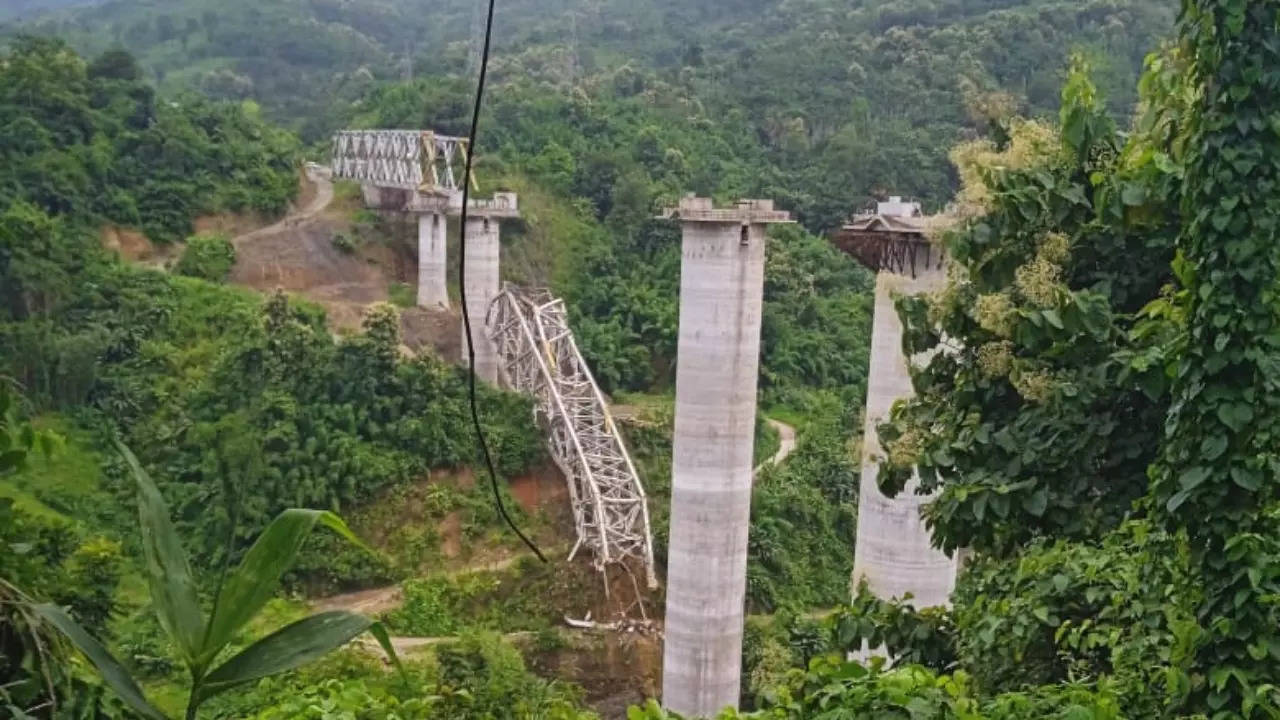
(717, 372)
(745, 212)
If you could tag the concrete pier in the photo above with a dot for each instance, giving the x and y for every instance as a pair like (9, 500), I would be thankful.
(372, 195)
(433, 285)
(482, 285)
(721, 289)
(893, 551)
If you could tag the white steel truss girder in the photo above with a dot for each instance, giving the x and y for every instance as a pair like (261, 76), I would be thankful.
(416, 160)
(538, 356)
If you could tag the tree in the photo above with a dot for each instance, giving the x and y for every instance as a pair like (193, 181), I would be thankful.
(117, 64)
(18, 438)
(1024, 418)
(240, 595)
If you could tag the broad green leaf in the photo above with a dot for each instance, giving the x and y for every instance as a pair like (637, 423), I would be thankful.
(1176, 500)
(1213, 446)
(1192, 478)
(257, 578)
(169, 574)
(290, 647)
(112, 672)
(379, 633)
(1133, 194)
(1036, 502)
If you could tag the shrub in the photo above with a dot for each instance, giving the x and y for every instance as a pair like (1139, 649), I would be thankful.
(1070, 609)
(208, 257)
(346, 242)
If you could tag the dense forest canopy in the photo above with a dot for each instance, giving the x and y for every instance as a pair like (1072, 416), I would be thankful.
(846, 101)
(1095, 411)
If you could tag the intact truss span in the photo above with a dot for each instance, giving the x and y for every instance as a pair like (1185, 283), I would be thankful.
(416, 160)
(538, 356)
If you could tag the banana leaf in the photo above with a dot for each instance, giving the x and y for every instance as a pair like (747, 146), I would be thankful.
(257, 578)
(113, 673)
(173, 592)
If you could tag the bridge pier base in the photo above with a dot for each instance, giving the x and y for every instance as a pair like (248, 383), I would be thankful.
(721, 291)
(481, 256)
(372, 195)
(433, 285)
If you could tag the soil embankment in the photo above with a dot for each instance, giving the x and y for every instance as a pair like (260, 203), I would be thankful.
(298, 255)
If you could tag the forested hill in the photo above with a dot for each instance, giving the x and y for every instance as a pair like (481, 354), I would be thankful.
(27, 8)
(848, 99)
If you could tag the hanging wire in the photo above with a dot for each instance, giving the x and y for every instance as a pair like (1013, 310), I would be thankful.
(462, 285)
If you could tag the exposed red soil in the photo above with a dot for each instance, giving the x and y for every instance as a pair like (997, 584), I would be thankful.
(543, 489)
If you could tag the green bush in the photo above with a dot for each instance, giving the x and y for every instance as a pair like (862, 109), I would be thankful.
(833, 688)
(529, 596)
(92, 575)
(346, 242)
(480, 678)
(208, 257)
(1071, 609)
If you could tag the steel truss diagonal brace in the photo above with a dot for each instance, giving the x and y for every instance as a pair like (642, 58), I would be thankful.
(538, 356)
(417, 160)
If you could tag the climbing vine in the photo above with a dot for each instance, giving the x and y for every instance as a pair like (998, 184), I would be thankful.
(1219, 469)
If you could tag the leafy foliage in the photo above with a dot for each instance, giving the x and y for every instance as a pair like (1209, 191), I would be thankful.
(1026, 421)
(833, 689)
(803, 514)
(1123, 609)
(97, 144)
(893, 627)
(842, 102)
(478, 678)
(169, 358)
(1217, 473)
(242, 592)
(208, 257)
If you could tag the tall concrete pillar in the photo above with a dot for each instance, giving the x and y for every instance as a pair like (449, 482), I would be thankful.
(721, 288)
(481, 257)
(893, 551)
(433, 286)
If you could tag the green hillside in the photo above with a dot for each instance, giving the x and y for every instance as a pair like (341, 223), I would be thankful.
(846, 100)
(1097, 404)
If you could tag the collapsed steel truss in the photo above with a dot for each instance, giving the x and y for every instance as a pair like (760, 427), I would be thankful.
(420, 161)
(538, 356)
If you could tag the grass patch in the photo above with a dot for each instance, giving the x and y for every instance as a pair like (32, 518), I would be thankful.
(402, 294)
(530, 595)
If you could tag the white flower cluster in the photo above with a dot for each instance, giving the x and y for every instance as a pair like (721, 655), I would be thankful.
(995, 313)
(995, 359)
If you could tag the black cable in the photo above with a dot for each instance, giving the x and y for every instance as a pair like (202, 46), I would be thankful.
(462, 285)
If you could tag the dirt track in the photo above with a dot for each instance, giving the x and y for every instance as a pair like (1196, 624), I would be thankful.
(297, 254)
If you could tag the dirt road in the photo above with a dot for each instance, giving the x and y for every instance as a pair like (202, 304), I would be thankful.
(786, 444)
(324, 195)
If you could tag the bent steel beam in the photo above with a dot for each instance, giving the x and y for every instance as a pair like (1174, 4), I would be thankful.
(538, 356)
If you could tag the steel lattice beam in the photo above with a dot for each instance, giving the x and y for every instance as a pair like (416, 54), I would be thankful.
(538, 356)
(416, 160)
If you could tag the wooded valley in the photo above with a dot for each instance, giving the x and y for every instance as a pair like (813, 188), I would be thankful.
(1095, 415)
